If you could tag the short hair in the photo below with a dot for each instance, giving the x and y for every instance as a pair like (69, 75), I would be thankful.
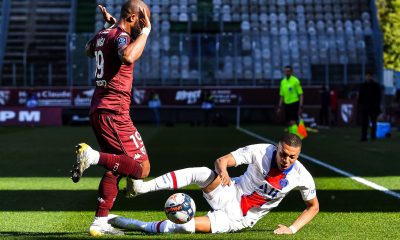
(130, 7)
(291, 140)
(288, 66)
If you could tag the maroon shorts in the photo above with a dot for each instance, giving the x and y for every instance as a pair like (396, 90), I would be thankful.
(117, 135)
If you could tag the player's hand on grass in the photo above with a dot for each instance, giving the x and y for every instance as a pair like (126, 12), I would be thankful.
(145, 21)
(106, 15)
(282, 229)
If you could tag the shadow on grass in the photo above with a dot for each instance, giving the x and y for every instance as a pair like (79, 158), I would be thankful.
(86, 200)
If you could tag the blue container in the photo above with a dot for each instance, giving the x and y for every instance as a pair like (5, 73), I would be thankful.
(382, 129)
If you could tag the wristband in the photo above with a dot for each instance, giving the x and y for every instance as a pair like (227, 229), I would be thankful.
(293, 229)
(108, 25)
(145, 31)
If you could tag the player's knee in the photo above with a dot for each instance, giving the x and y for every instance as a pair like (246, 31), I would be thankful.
(145, 169)
(145, 173)
(205, 177)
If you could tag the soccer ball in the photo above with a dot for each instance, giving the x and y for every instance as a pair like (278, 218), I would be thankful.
(180, 208)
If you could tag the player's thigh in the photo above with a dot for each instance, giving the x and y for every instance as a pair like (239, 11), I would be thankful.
(130, 138)
(221, 222)
(225, 198)
(105, 133)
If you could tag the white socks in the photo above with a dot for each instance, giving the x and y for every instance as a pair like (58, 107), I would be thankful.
(93, 156)
(100, 221)
(201, 176)
(155, 227)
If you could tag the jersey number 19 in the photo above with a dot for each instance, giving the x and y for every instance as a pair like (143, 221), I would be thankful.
(99, 64)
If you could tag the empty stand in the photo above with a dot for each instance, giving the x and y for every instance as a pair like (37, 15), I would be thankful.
(195, 41)
(35, 52)
(249, 41)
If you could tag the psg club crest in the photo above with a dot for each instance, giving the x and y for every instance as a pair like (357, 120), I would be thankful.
(283, 182)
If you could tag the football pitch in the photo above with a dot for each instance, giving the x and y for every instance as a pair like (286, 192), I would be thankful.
(38, 200)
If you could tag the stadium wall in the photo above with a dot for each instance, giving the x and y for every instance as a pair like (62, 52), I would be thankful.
(178, 104)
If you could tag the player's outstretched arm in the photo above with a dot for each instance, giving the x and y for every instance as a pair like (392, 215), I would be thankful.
(221, 165)
(134, 50)
(306, 216)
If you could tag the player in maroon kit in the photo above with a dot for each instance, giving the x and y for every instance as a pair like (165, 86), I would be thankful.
(116, 48)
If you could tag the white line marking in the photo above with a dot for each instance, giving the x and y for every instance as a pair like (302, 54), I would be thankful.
(335, 169)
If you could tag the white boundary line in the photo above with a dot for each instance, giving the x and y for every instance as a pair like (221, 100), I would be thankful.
(330, 167)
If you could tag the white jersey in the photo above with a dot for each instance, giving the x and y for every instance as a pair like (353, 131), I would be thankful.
(263, 185)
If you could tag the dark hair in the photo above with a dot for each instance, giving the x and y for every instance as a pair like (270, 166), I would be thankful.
(130, 7)
(288, 66)
(291, 140)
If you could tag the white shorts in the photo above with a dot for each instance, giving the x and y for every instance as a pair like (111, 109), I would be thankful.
(227, 215)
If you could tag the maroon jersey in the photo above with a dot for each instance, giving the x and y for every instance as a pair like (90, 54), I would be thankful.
(113, 78)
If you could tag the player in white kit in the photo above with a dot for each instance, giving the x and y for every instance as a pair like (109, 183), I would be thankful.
(240, 202)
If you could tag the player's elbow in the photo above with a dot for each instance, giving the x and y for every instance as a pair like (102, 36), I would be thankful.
(314, 207)
(127, 60)
(219, 161)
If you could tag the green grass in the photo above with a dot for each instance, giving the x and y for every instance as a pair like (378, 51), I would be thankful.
(73, 225)
(38, 200)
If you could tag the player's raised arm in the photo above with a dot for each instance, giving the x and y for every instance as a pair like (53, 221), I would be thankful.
(306, 216)
(221, 165)
(134, 50)
(108, 18)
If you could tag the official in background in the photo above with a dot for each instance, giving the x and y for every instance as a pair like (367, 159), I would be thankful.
(325, 104)
(369, 100)
(291, 97)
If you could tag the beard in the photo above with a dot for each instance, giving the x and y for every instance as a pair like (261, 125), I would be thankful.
(136, 30)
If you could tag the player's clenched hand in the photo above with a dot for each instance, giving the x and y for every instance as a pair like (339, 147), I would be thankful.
(106, 15)
(225, 179)
(282, 229)
(145, 21)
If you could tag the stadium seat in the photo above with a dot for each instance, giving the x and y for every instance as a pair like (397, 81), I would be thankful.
(301, 32)
(155, 9)
(245, 26)
(183, 17)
